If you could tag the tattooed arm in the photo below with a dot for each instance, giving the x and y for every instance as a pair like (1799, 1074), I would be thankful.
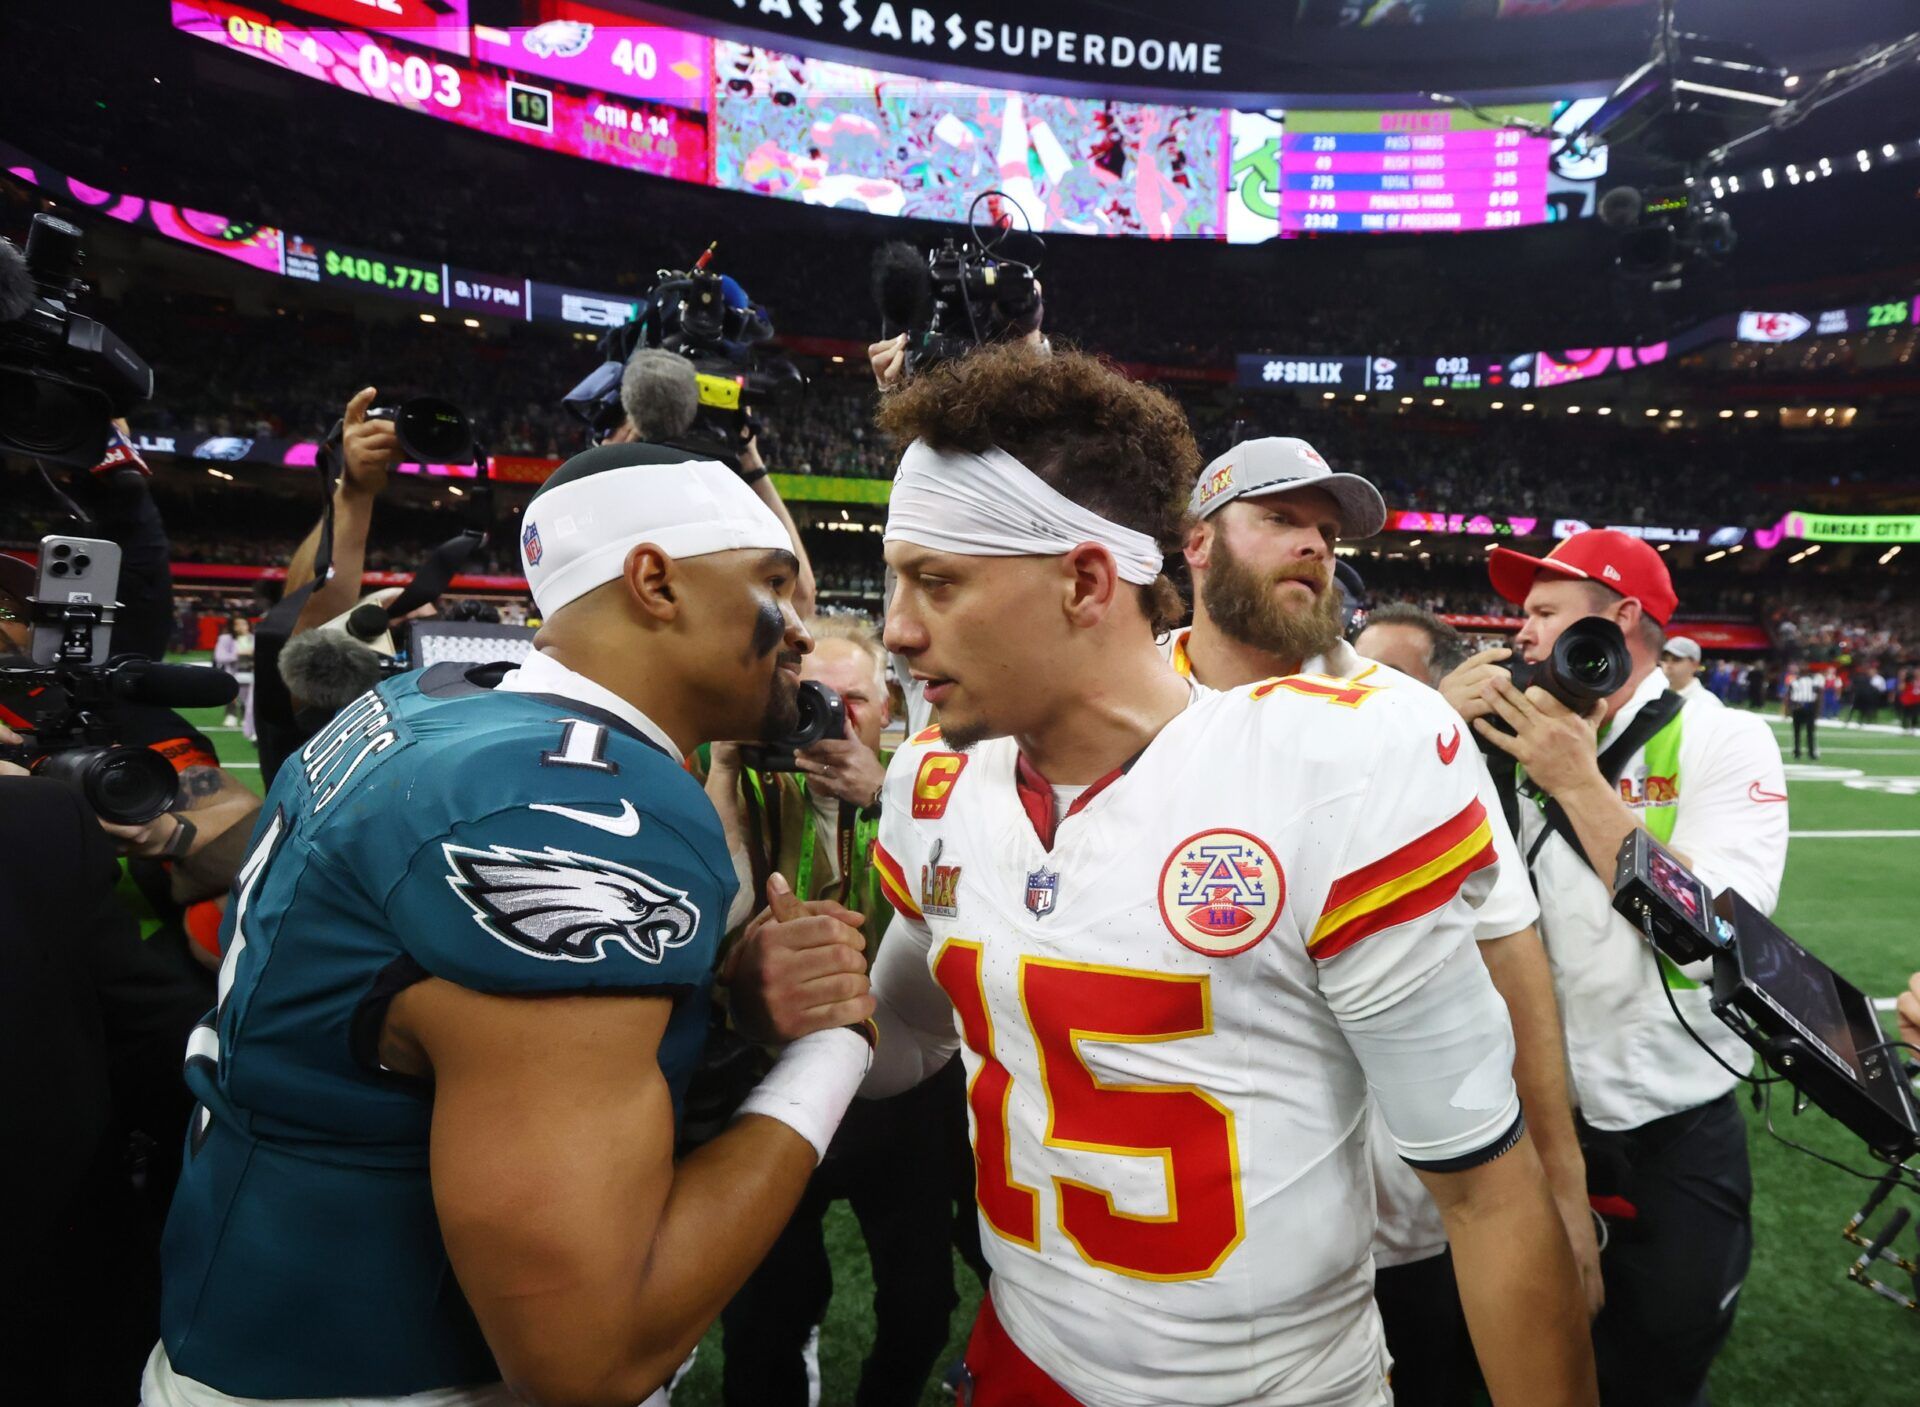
(204, 833)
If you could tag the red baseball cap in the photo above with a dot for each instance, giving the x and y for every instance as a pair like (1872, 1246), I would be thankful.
(1614, 559)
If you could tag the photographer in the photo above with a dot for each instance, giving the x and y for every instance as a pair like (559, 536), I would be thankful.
(1666, 1146)
(816, 827)
(660, 392)
(192, 851)
(368, 449)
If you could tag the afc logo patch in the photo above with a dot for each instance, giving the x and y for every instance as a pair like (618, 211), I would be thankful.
(933, 785)
(1221, 892)
(530, 544)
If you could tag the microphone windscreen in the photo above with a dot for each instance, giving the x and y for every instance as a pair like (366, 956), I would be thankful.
(367, 621)
(173, 685)
(325, 670)
(16, 283)
(902, 289)
(1620, 208)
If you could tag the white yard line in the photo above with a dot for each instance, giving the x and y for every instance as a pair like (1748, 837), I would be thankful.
(1853, 835)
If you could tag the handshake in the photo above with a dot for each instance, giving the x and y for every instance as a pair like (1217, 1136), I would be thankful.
(796, 969)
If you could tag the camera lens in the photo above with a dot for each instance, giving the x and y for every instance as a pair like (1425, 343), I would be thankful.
(58, 569)
(127, 786)
(1587, 661)
(815, 716)
(61, 550)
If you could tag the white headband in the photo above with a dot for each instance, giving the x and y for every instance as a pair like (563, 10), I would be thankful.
(577, 536)
(992, 505)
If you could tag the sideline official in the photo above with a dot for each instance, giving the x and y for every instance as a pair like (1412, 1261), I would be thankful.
(1666, 1146)
(1803, 705)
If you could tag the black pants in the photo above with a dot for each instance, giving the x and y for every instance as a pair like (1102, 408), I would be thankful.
(889, 1162)
(1805, 716)
(1673, 1269)
(1433, 1362)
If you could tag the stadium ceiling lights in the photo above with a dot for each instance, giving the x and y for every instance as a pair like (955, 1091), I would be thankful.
(1889, 555)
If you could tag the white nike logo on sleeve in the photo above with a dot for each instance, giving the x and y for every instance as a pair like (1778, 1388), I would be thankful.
(627, 823)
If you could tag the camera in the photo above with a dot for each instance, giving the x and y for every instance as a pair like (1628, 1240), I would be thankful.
(955, 298)
(430, 430)
(707, 318)
(69, 689)
(1809, 1024)
(823, 715)
(63, 377)
(1589, 662)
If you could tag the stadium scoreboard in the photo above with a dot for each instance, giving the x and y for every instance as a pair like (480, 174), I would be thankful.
(1433, 169)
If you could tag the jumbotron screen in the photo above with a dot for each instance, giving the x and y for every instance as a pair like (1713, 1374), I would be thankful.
(670, 102)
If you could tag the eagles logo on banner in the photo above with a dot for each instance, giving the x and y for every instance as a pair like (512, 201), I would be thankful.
(1221, 892)
(565, 907)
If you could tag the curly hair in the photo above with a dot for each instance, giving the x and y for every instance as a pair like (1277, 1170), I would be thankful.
(1113, 445)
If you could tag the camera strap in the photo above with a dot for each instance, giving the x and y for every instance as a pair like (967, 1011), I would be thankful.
(1613, 761)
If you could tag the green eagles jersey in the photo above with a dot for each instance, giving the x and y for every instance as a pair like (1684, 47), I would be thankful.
(507, 842)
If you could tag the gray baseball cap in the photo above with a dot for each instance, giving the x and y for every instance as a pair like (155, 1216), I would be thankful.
(1255, 468)
(1682, 647)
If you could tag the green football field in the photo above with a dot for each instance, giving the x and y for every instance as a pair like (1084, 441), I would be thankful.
(1805, 1336)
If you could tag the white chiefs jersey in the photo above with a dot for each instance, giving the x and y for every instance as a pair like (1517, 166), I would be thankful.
(1160, 1012)
(1410, 1227)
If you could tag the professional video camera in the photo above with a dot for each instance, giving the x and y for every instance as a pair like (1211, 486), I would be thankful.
(707, 318)
(823, 715)
(1587, 663)
(1811, 1025)
(63, 377)
(956, 297)
(68, 689)
(1816, 1030)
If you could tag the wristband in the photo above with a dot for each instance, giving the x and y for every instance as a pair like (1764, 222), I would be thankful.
(181, 841)
(812, 1083)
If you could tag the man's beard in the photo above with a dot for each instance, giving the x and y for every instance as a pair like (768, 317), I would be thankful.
(782, 713)
(1246, 607)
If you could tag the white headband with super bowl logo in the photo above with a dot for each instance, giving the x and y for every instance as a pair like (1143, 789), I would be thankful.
(991, 505)
(577, 536)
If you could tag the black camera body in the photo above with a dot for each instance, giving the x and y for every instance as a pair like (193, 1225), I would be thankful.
(1810, 1025)
(960, 297)
(63, 377)
(430, 430)
(823, 715)
(1589, 662)
(73, 741)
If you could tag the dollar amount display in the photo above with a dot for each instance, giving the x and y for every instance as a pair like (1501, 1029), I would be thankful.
(1381, 172)
(394, 278)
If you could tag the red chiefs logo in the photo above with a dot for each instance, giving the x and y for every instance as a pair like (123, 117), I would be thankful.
(933, 786)
(1449, 749)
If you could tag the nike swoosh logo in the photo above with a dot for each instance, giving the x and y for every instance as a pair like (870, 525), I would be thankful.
(1449, 749)
(1755, 792)
(627, 823)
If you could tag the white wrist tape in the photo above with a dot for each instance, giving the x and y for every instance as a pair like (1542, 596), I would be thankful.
(812, 1083)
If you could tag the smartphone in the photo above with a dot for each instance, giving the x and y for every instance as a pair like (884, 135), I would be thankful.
(82, 573)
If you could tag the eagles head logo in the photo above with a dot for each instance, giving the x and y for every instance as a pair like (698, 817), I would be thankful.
(558, 39)
(565, 907)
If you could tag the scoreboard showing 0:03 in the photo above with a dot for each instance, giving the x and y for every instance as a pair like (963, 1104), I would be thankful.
(1436, 169)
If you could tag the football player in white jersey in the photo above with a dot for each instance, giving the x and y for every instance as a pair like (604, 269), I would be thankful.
(1181, 936)
(1264, 520)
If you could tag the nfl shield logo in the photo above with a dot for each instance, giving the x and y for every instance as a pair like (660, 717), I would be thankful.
(530, 545)
(1043, 888)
